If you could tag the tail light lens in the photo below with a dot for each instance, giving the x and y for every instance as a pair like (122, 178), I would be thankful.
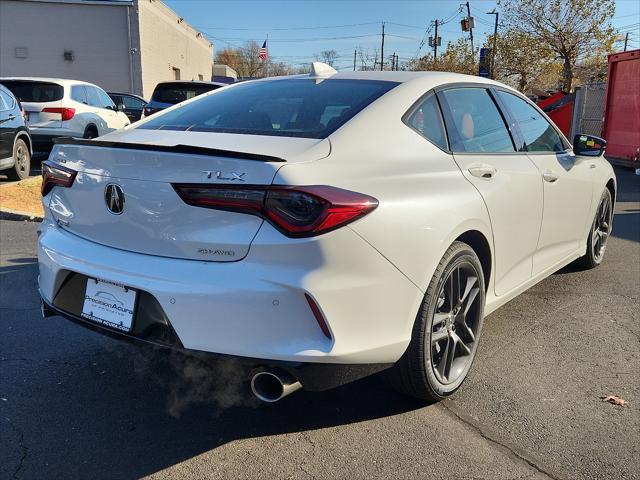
(66, 113)
(54, 174)
(296, 211)
(150, 111)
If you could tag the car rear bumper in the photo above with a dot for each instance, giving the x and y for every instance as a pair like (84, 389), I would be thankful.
(257, 307)
(313, 376)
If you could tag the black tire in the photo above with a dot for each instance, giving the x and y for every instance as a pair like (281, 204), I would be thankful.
(418, 373)
(90, 132)
(598, 233)
(22, 161)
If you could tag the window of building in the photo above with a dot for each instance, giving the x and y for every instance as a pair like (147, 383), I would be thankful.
(474, 123)
(539, 135)
(427, 121)
(176, 73)
(200, 77)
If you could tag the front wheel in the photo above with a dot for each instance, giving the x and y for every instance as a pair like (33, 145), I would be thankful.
(22, 161)
(599, 232)
(447, 329)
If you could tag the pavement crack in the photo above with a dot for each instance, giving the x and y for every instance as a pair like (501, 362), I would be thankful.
(467, 421)
(23, 450)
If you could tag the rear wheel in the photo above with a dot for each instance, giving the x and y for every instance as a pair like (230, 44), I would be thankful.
(22, 161)
(90, 132)
(599, 232)
(447, 329)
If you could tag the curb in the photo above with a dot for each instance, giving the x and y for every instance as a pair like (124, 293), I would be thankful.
(6, 214)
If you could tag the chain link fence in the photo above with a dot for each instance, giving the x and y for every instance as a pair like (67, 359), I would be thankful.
(588, 111)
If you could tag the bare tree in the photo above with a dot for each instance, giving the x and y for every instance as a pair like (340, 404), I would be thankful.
(329, 56)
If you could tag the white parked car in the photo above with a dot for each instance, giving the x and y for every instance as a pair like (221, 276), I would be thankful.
(57, 107)
(322, 227)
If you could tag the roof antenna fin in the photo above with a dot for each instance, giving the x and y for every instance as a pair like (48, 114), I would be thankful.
(319, 69)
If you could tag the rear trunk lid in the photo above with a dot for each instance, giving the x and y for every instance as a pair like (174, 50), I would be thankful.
(154, 219)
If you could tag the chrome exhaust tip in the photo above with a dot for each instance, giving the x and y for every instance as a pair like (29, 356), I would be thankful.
(271, 386)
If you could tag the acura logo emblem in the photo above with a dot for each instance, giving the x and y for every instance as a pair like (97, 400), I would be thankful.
(114, 197)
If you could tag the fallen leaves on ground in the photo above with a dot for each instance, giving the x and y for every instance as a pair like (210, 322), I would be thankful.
(615, 400)
(23, 196)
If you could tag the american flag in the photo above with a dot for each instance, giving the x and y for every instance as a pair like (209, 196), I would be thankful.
(262, 54)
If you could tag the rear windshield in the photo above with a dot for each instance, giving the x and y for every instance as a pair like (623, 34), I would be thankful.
(179, 92)
(41, 92)
(292, 108)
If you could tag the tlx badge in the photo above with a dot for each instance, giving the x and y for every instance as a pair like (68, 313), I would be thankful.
(219, 175)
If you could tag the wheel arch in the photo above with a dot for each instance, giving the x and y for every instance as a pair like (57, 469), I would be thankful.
(479, 243)
(611, 186)
(91, 126)
(24, 135)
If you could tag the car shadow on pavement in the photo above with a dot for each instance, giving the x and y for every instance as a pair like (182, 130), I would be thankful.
(76, 404)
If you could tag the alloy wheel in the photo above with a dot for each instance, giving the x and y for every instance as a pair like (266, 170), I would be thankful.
(455, 323)
(22, 159)
(601, 228)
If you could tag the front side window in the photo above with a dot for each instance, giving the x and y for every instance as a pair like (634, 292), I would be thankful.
(474, 123)
(104, 99)
(6, 102)
(538, 134)
(291, 107)
(427, 121)
(92, 96)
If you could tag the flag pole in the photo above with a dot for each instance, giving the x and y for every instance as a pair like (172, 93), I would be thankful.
(266, 60)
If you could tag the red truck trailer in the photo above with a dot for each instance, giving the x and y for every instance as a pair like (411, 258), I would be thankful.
(621, 126)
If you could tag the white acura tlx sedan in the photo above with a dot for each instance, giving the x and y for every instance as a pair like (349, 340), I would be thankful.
(322, 227)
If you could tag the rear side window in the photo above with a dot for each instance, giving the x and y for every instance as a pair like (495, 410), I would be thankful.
(132, 102)
(179, 92)
(425, 119)
(539, 135)
(290, 107)
(39, 92)
(78, 94)
(474, 123)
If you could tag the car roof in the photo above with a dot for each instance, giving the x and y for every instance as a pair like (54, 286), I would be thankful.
(191, 82)
(427, 78)
(61, 81)
(125, 93)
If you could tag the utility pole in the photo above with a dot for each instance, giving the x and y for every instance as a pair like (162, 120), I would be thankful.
(470, 28)
(382, 50)
(495, 38)
(393, 61)
(355, 52)
(435, 44)
(626, 40)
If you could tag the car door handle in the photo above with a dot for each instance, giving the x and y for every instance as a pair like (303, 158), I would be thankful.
(549, 176)
(483, 171)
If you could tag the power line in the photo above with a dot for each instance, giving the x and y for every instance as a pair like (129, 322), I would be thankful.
(284, 29)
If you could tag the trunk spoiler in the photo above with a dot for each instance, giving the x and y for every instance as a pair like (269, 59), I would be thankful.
(190, 149)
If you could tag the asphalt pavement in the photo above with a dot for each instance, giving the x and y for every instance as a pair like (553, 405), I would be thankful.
(75, 404)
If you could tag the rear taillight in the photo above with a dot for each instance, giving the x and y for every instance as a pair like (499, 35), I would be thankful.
(296, 211)
(66, 113)
(150, 111)
(54, 174)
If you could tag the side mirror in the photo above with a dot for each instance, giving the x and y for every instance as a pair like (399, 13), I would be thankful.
(589, 145)
(120, 107)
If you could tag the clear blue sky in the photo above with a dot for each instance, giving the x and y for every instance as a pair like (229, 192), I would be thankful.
(298, 29)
